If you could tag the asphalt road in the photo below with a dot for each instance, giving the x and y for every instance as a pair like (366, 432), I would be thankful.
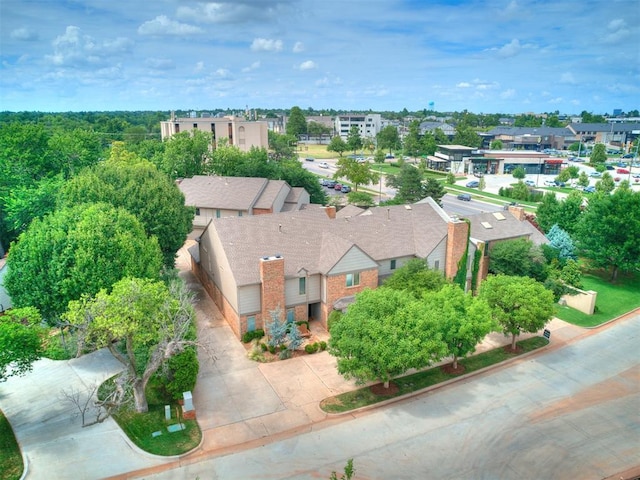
(569, 413)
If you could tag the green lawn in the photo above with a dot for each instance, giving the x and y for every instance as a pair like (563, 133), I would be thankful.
(139, 427)
(10, 458)
(426, 378)
(614, 299)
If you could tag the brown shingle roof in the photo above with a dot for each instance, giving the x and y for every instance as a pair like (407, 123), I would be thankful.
(310, 239)
(270, 193)
(505, 229)
(228, 193)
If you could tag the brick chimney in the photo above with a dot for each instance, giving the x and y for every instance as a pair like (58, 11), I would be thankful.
(517, 212)
(331, 211)
(272, 285)
(457, 233)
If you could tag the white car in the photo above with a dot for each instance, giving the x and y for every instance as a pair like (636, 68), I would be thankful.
(530, 183)
(549, 183)
(323, 165)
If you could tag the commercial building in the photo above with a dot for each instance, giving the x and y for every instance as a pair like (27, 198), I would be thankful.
(369, 125)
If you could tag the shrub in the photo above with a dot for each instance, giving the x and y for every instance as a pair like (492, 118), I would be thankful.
(323, 345)
(263, 347)
(182, 373)
(248, 336)
(311, 347)
(272, 348)
(333, 318)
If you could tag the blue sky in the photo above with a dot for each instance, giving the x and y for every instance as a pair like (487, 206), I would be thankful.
(506, 56)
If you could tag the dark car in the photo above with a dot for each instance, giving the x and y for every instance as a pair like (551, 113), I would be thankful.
(628, 155)
(345, 189)
(331, 184)
(465, 197)
(589, 189)
(559, 183)
(309, 159)
(609, 167)
(473, 184)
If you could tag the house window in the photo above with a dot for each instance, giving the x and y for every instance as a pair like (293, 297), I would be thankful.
(436, 264)
(239, 213)
(353, 279)
(291, 315)
(197, 211)
(251, 323)
(393, 265)
(217, 213)
(302, 286)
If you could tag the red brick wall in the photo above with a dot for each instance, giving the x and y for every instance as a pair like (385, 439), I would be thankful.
(262, 211)
(456, 245)
(272, 285)
(337, 288)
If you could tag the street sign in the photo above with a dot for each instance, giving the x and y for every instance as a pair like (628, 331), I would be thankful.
(546, 334)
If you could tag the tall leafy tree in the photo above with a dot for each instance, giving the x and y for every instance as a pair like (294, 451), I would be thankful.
(408, 183)
(144, 192)
(20, 341)
(143, 323)
(186, 154)
(388, 138)
(496, 145)
(337, 145)
(569, 211)
(411, 142)
(416, 277)
(467, 136)
(358, 173)
(463, 320)
(282, 147)
(609, 230)
(354, 140)
(547, 212)
(382, 335)
(74, 251)
(297, 123)
(598, 154)
(433, 188)
(605, 184)
(518, 304)
(519, 257)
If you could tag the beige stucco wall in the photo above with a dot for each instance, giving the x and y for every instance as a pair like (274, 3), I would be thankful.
(584, 302)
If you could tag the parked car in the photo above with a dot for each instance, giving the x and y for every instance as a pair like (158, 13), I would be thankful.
(309, 159)
(530, 183)
(549, 183)
(324, 165)
(558, 183)
(622, 164)
(623, 171)
(465, 197)
(389, 156)
(473, 184)
(595, 174)
(337, 186)
(331, 183)
(589, 189)
(628, 155)
(609, 167)
(325, 182)
(345, 189)
(478, 174)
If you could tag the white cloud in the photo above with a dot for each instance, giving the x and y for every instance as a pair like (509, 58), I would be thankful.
(618, 31)
(556, 100)
(199, 66)
(567, 77)
(162, 25)
(160, 63)
(463, 85)
(509, 93)
(253, 66)
(223, 73)
(308, 65)
(75, 48)
(266, 45)
(510, 49)
(298, 47)
(24, 34)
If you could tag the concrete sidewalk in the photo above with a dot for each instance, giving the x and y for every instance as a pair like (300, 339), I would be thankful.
(239, 402)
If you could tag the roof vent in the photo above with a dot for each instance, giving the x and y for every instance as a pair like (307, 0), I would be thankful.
(408, 207)
(499, 216)
(265, 258)
(278, 255)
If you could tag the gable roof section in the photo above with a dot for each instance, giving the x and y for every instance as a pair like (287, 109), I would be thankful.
(269, 194)
(310, 239)
(508, 228)
(228, 193)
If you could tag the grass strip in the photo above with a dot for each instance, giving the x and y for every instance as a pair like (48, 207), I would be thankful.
(363, 397)
(11, 466)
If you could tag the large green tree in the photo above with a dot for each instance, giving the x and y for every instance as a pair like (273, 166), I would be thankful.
(382, 335)
(75, 251)
(416, 277)
(463, 320)
(547, 212)
(281, 147)
(518, 304)
(142, 322)
(388, 138)
(20, 341)
(467, 136)
(144, 192)
(186, 154)
(609, 229)
(337, 145)
(358, 173)
(598, 154)
(354, 140)
(433, 188)
(408, 183)
(519, 257)
(411, 142)
(296, 123)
